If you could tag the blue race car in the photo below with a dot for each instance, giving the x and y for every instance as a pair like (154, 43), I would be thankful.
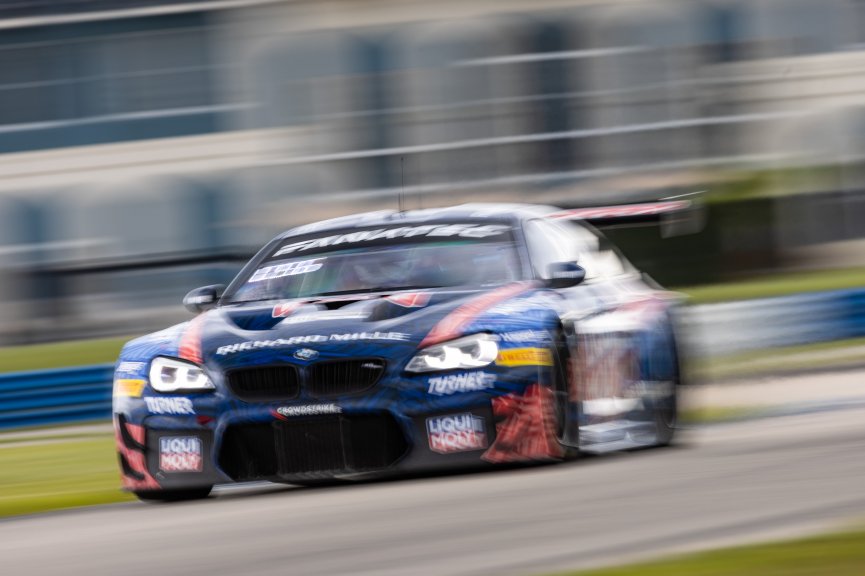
(391, 342)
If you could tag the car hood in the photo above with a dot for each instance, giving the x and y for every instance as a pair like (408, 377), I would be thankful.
(384, 325)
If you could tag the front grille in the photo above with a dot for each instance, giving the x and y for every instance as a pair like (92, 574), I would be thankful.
(343, 376)
(338, 444)
(265, 383)
(311, 447)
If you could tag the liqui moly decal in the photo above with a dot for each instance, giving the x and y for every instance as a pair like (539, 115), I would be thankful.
(180, 454)
(456, 433)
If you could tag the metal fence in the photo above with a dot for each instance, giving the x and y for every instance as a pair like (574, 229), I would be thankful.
(733, 327)
(55, 396)
(81, 394)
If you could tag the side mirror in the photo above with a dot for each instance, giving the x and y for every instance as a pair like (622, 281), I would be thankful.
(565, 274)
(204, 298)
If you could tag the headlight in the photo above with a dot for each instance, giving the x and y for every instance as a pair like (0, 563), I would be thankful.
(171, 375)
(468, 352)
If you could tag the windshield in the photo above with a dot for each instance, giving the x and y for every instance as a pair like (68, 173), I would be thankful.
(385, 268)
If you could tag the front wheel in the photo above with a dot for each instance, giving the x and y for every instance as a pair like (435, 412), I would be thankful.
(173, 495)
(666, 418)
(567, 432)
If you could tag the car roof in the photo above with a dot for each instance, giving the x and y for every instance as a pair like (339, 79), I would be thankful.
(512, 213)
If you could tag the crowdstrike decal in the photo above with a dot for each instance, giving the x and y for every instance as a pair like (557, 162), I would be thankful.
(428, 230)
(307, 410)
(310, 339)
(456, 433)
(466, 382)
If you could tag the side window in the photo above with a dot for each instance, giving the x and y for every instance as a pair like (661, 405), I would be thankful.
(552, 241)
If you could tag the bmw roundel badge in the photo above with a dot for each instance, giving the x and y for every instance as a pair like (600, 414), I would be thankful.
(305, 354)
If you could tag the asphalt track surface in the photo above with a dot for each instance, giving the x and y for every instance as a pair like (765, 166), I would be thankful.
(724, 484)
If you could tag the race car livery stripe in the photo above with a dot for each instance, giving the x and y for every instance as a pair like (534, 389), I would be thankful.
(410, 299)
(134, 466)
(190, 342)
(286, 309)
(622, 211)
(452, 325)
(527, 430)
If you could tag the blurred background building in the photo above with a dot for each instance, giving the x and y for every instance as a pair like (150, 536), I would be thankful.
(147, 147)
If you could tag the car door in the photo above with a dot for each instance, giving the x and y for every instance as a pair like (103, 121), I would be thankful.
(604, 327)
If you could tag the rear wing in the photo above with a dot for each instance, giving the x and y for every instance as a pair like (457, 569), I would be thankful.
(675, 217)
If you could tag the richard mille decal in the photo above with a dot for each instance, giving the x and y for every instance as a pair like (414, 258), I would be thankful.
(310, 339)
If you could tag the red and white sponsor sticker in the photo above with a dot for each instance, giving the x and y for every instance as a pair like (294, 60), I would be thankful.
(622, 211)
(285, 309)
(410, 299)
(180, 454)
(456, 433)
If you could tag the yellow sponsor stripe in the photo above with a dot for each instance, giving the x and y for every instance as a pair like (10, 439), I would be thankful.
(525, 357)
(130, 388)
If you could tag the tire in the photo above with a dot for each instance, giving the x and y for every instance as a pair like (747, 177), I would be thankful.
(666, 418)
(667, 411)
(174, 495)
(562, 396)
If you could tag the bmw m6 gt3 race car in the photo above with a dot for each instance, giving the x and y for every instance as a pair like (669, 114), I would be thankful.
(391, 342)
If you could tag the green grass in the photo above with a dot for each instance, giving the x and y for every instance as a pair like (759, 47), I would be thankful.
(61, 354)
(53, 475)
(835, 354)
(836, 554)
(715, 414)
(777, 285)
